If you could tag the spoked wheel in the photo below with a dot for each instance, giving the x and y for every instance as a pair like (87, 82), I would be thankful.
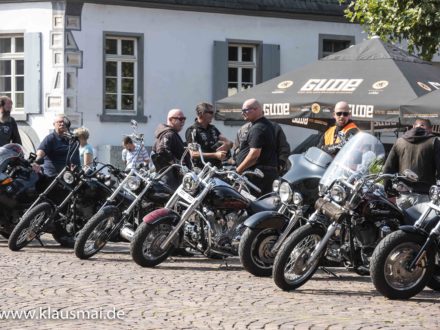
(255, 250)
(145, 246)
(96, 233)
(390, 262)
(30, 226)
(292, 268)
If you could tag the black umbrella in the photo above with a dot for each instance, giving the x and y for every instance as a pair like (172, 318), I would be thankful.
(374, 77)
(426, 106)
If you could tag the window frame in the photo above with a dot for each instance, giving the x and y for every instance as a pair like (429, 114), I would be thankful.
(13, 57)
(138, 112)
(333, 37)
(240, 65)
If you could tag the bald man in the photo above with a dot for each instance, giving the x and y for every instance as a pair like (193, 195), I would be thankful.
(343, 123)
(169, 147)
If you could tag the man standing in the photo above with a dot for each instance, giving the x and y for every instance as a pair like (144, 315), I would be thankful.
(8, 127)
(133, 154)
(257, 149)
(213, 144)
(330, 140)
(418, 150)
(169, 147)
(55, 149)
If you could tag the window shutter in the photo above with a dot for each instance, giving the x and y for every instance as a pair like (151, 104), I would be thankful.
(220, 70)
(32, 72)
(271, 62)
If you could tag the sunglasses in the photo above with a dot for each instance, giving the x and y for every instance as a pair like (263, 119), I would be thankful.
(179, 118)
(340, 114)
(246, 110)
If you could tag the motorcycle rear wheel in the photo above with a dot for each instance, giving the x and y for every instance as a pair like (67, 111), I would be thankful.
(145, 246)
(94, 235)
(389, 264)
(255, 250)
(291, 268)
(29, 226)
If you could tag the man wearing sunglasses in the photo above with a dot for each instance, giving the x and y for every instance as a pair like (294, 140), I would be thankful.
(330, 141)
(258, 149)
(214, 145)
(169, 147)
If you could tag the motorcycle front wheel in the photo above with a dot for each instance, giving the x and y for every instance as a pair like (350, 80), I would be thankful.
(95, 234)
(30, 226)
(390, 261)
(255, 250)
(145, 247)
(292, 268)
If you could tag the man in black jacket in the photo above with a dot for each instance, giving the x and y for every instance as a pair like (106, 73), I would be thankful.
(169, 147)
(8, 127)
(418, 150)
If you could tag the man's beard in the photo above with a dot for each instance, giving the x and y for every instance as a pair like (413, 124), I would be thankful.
(5, 115)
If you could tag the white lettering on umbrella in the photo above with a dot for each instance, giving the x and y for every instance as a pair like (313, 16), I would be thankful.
(362, 110)
(331, 85)
(276, 109)
(435, 84)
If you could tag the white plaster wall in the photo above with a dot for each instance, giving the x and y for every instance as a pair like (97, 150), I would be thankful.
(33, 17)
(178, 59)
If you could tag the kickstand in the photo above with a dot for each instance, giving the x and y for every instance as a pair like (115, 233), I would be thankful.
(328, 271)
(39, 240)
(225, 264)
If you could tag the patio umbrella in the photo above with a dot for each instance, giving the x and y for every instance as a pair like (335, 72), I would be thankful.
(426, 106)
(374, 77)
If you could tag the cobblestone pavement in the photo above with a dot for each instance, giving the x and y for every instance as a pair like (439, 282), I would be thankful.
(190, 293)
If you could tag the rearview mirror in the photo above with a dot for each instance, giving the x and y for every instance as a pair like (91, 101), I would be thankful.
(410, 175)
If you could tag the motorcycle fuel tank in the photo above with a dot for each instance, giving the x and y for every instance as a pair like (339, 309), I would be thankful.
(223, 196)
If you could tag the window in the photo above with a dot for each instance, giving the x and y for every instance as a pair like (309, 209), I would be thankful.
(123, 77)
(12, 69)
(329, 44)
(242, 67)
(241, 64)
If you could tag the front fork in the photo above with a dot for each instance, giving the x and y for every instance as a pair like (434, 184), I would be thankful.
(323, 243)
(292, 223)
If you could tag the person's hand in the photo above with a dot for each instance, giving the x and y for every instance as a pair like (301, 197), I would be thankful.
(220, 155)
(36, 168)
(223, 147)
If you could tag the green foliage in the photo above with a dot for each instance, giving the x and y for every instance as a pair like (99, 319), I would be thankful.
(417, 21)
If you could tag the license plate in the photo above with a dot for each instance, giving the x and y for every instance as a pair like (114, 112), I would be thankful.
(186, 196)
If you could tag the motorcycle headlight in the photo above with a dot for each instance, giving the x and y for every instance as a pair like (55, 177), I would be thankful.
(68, 177)
(338, 194)
(285, 192)
(190, 182)
(276, 186)
(434, 193)
(297, 198)
(133, 183)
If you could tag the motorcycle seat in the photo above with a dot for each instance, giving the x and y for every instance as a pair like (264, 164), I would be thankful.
(270, 203)
(412, 213)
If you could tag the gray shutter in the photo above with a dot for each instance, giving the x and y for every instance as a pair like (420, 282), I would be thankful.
(220, 70)
(32, 72)
(271, 62)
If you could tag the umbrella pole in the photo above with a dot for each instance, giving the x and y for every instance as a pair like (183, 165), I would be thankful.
(372, 127)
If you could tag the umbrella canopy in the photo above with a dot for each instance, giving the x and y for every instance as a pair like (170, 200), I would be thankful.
(374, 77)
(426, 106)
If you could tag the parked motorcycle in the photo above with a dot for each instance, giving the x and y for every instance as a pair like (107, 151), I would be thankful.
(205, 213)
(297, 191)
(64, 206)
(408, 259)
(19, 186)
(353, 215)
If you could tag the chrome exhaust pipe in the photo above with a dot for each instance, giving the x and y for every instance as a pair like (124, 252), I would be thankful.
(127, 233)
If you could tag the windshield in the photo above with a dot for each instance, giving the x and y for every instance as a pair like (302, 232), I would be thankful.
(355, 157)
(8, 153)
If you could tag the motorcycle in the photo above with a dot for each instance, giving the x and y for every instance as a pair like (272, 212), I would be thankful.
(297, 191)
(350, 218)
(63, 207)
(408, 259)
(19, 186)
(205, 213)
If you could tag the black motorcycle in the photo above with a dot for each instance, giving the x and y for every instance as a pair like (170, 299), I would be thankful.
(350, 219)
(19, 186)
(65, 205)
(408, 259)
(297, 191)
(205, 213)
